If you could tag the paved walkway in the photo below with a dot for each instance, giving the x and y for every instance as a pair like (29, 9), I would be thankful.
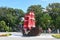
(46, 36)
(18, 36)
(40, 36)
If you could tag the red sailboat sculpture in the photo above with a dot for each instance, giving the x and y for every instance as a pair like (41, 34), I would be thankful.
(29, 25)
(29, 20)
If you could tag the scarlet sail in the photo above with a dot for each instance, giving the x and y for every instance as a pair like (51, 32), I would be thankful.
(29, 20)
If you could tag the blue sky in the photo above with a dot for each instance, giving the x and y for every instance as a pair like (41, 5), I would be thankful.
(24, 4)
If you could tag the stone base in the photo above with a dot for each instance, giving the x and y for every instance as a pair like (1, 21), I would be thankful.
(33, 32)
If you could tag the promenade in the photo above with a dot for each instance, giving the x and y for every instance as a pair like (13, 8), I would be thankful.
(18, 36)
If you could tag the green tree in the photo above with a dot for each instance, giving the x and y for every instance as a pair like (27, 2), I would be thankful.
(54, 11)
(4, 27)
(58, 22)
(11, 16)
(45, 21)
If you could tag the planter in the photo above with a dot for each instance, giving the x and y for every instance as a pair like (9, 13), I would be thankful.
(56, 36)
(3, 35)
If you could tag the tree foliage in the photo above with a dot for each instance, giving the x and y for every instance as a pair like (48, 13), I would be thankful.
(11, 16)
(4, 27)
(45, 21)
(54, 12)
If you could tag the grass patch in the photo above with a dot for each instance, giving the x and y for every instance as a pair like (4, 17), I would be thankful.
(56, 36)
(6, 34)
